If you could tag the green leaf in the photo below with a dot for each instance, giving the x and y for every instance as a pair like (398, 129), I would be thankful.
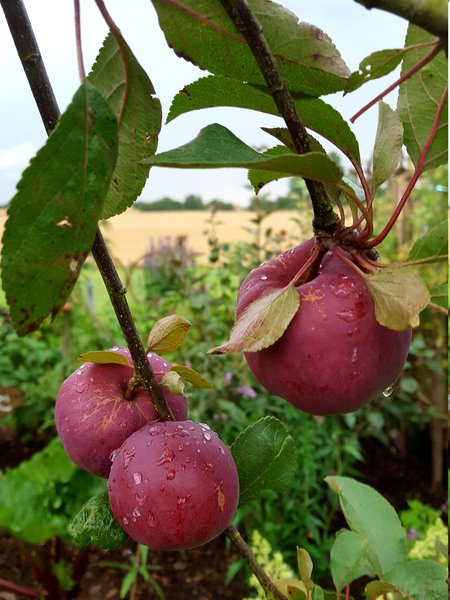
(40, 496)
(263, 322)
(420, 579)
(349, 558)
(316, 114)
(53, 217)
(216, 147)
(95, 524)
(265, 458)
(258, 179)
(127, 582)
(418, 99)
(194, 378)
(439, 295)
(387, 151)
(104, 357)
(305, 568)
(122, 81)
(167, 334)
(308, 60)
(375, 589)
(173, 382)
(399, 295)
(378, 64)
(433, 244)
(371, 515)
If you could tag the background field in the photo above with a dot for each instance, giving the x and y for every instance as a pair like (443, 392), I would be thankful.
(129, 235)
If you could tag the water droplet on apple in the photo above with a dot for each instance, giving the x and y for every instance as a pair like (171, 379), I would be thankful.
(113, 455)
(125, 521)
(354, 355)
(114, 348)
(207, 436)
(136, 512)
(388, 391)
(170, 474)
(151, 521)
(166, 457)
(127, 456)
(80, 387)
(91, 379)
(263, 277)
(208, 468)
(149, 354)
(137, 477)
(182, 500)
(140, 497)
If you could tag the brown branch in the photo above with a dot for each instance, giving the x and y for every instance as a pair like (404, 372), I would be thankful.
(431, 15)
(27, 47)
(325, 219)
(245, 552)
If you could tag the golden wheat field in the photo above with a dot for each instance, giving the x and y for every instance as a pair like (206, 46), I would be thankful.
(130, 234)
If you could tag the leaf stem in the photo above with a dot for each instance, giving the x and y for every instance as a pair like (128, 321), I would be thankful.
(26, 45)
(325, 219)
(245, 552)
(19, 589)
(418, 170)
(419, 65)
(81, 69)
(437, 308)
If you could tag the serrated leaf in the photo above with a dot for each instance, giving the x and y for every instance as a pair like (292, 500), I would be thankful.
(439, 295)
(258, 179)
(418, 99)
(420, 579)
(378, 64)
(371, 515)
(216, 147)
(167, 334)
(308, 60)
(433, 244)
(263, 322)
(173, 382)
(194, 378)
(121, 80)
(104, 357)
(52, 219)
(316, 114)
(399, 295)
(349, 558)
(95, 524)
(305, 568)
(265, 458)
(387, 151)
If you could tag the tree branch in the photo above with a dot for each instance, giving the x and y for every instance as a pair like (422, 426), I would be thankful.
(431, 15)
(246, 24)
(29, 53)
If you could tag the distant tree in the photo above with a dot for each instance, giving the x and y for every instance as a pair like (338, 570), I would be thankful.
(162, 204)
(193, 202)
(220, 205)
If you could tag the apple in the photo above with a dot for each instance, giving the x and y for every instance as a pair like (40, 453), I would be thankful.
(334, 357)
(93, 417)
(173, 485)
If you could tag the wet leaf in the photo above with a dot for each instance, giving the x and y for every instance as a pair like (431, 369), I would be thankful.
(95, 524)
(306, 56)
(216, 147)
(263, 322)
(399, 295)
(418, 99)
(52, 219)
(387, 151)
(173, 382)
(316, 114)
(433, 244)
(194, 378)
(265, 458)
(167, 334)
(124, 84)
(104, 357)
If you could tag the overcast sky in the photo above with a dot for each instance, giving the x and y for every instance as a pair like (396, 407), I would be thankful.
(355, 31)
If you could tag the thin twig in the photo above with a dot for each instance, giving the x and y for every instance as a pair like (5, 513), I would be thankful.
(79, 45)
(325, 219)
(26, 45)
(19, 589)
(245, 552)
(419, 65)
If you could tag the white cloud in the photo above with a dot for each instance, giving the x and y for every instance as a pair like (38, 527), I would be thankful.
(17, 157)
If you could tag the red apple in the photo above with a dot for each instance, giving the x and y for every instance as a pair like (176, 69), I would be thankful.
(93, 418)
(334, 356)
(173, 485)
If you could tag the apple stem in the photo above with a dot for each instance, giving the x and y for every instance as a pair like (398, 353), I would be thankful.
(325, 219)
(304, 274)
(245, 552)
(418, 170)
(31, 58)
(341, 255)
(419, 65)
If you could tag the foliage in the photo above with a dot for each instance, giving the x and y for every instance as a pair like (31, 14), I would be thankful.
(433, 545)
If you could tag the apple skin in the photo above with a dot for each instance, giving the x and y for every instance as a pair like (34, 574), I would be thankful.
(93, 418)
(334, 356)
(173, 485)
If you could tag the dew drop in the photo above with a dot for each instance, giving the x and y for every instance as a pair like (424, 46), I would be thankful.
(113, 455)
(180, 447)
(154, 430)
(166, 457)
(207, 436)
(191, 428)
(91, 379)
(114, 348)
(141, 497)
(187, 460)
(151, 521)
(137, 477)
(149, 354)
(80, 387)
(208, 468)
(388, 391)
(170, 474)
(136, 512)
(165, 364)
(222, 451)
(125, 521)
(182, 500)
(127, 456)
(263, 277)
(354, 355)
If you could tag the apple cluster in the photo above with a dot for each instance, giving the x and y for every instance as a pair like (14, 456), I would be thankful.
(334, 356)
(171, 484)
